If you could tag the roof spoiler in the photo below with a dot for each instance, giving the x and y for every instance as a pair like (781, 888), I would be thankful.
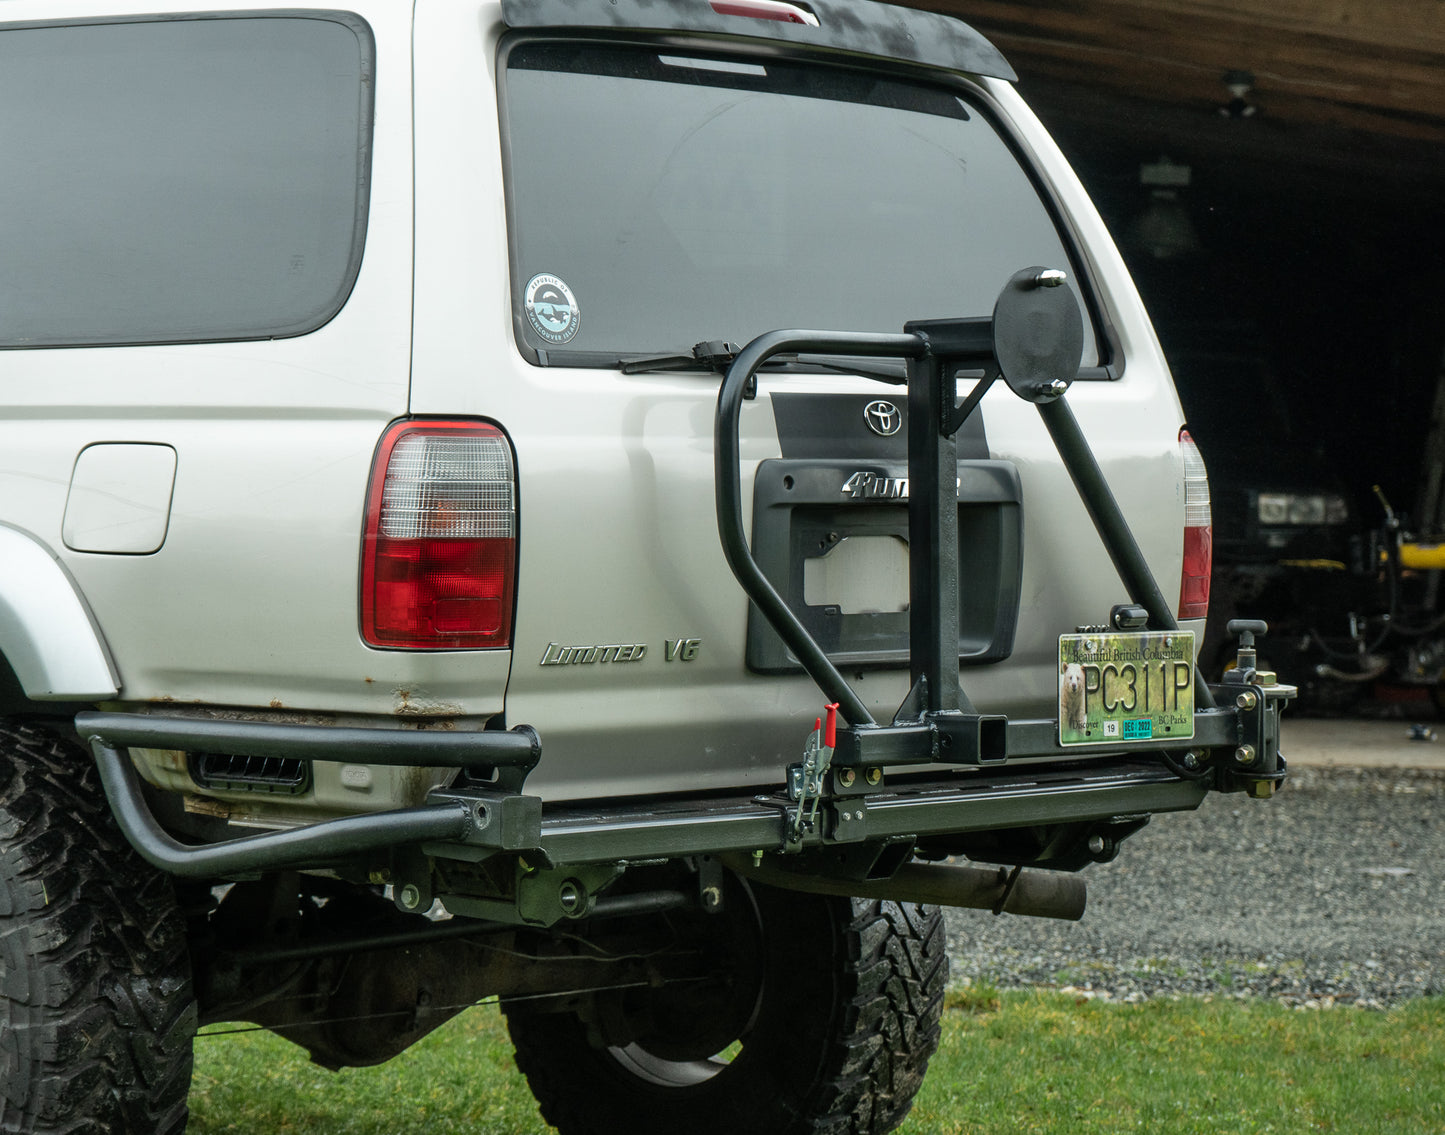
(859, 27)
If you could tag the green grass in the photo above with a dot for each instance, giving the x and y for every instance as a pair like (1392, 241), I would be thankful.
(1051, 1063)
(1010, 1064)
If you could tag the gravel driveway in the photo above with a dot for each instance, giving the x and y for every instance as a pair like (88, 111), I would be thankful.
(1333, 892)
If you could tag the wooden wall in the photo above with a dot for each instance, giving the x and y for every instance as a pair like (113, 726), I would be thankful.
(1368, 65)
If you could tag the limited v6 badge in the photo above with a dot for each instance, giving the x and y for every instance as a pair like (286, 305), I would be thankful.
(674, 650)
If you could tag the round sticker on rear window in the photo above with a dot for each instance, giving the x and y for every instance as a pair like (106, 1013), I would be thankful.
(551, 309)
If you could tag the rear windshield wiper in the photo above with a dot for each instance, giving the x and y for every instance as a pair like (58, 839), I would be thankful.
(718, 354)
(710, 354)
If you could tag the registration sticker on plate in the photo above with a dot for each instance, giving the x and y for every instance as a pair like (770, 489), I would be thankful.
(1126, 686)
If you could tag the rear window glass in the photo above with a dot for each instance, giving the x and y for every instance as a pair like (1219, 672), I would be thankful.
(187, 179)
(660, 198)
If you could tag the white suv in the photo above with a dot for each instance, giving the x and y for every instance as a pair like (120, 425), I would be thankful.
(431, 569)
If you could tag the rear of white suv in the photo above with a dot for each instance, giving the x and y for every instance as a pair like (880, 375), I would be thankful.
(766, 192)
(416, 500)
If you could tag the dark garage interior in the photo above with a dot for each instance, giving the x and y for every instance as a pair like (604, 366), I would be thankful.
(1273, 174)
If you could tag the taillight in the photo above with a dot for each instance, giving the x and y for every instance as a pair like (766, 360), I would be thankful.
(766, 10)
(439, 553)
(1198, 533)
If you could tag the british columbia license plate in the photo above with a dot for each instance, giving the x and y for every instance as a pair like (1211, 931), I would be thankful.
(1126, 686)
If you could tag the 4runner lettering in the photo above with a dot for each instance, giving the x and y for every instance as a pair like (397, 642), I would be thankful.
(875, 486)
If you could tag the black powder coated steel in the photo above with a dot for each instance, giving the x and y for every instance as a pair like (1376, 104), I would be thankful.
(728, 482)
(494, 815)
(1103, 509)
(932, 515)
(510, 755)
(1038, 334)
(312, 845)
(937, 722)
(634, 830)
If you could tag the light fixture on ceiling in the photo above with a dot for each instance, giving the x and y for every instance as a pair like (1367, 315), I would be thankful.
(1164, 227)
(1240, 85)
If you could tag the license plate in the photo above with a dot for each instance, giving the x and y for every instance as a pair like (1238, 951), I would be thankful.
(1120, 686)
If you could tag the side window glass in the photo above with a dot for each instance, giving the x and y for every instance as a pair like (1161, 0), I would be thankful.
(181, 180)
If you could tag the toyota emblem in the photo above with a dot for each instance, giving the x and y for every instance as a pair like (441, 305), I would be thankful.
(882, 417)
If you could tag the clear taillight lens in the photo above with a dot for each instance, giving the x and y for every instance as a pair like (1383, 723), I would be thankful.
(439, 553)
(1198, 533)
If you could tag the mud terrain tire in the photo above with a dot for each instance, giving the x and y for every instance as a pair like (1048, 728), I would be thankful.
(846, 1019)
(97, 1012)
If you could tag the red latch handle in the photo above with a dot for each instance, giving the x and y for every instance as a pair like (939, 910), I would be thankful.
(830, 732)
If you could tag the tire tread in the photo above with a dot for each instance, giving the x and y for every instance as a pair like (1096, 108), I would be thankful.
(872, 1042)
(101, 1032)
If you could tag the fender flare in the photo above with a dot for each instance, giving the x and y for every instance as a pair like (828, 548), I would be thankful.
(47, 631)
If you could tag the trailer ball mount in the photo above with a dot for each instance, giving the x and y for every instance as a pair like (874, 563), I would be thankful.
(1256, 766)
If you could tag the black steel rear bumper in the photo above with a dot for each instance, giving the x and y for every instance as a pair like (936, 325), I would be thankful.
(467, 820)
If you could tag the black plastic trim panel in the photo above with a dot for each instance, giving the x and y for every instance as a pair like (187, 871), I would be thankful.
(835, 426)
(802, 511)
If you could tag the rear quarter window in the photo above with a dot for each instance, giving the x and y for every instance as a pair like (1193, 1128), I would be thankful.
(192, 179)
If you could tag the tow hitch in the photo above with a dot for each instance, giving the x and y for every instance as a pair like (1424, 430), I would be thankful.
(1258, 696)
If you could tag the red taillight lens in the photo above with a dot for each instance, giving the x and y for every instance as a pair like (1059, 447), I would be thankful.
(778, 10)
(1198, 533)
(439, 553)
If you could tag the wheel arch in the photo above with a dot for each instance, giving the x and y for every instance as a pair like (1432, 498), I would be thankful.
(49, 638)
